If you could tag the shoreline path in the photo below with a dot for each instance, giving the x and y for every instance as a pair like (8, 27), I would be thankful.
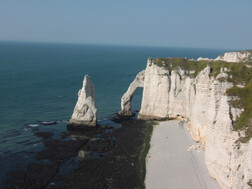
(171, 165)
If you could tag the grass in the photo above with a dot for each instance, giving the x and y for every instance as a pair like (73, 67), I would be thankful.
(185, 64)
(239, 74)
(145, 150)
(197, 66)
(244, 122)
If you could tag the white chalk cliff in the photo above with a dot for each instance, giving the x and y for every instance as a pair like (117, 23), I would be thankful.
(238, 56)
(127, 97)
(235, 56)
(85, 111)
(201, 100)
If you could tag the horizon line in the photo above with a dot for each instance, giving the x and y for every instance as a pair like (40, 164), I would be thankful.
(122, 45)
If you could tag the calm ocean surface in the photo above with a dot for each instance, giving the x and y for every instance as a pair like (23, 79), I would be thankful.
(39, 82)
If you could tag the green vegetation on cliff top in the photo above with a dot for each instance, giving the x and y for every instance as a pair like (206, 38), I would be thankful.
(239, 74)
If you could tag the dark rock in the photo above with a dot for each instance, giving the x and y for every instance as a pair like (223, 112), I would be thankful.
(45, 135)
(109, 163)
(64, 135)
(37, 176)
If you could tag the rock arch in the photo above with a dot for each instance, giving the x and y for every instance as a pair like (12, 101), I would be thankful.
(127, 97)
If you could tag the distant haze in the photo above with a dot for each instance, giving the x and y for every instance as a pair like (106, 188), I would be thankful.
(178, 23)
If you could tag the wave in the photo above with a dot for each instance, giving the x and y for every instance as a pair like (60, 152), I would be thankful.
(33, 125)
(49, 122)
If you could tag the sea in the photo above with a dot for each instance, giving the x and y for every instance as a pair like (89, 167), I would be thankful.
(39, 82)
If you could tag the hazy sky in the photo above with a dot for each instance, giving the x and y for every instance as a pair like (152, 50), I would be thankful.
(180, 23)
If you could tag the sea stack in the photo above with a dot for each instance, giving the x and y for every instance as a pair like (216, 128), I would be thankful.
(85, 111)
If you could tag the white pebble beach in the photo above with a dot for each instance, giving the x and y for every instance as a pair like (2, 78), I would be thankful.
(169, 163)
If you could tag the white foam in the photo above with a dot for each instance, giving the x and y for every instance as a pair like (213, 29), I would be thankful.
(33, 125)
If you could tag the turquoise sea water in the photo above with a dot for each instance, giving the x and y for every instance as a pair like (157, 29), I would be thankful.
(39, 82)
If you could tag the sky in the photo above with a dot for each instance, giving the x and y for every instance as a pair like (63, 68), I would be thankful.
(222, 24)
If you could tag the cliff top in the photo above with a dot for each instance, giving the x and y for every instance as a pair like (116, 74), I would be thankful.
(239, 74)
(172, 63)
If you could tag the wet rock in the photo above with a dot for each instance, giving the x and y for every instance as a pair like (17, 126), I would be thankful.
(107, 160)
(36, 176)
(45, 135)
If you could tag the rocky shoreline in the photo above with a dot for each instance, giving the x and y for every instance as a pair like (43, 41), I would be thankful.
(93, 157)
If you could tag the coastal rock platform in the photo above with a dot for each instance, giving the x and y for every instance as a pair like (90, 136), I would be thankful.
(93, 157)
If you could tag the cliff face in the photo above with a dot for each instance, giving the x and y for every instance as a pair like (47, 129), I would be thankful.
(239, 56)
(201, 100)
(235, 56)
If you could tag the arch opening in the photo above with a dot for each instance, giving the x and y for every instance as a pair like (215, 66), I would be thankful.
(126, 107)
